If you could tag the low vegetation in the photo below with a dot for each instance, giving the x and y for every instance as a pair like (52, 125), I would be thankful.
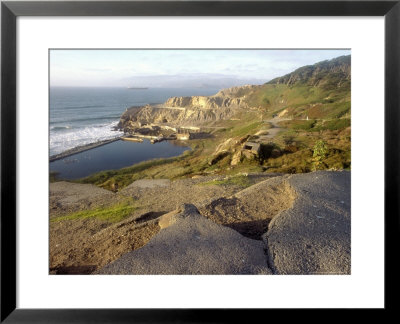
(111, 214)
(240, 180)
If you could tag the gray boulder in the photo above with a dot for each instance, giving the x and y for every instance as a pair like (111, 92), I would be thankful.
(313, 237)
(189, 243)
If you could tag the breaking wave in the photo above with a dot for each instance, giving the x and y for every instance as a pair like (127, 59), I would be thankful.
(73, 137)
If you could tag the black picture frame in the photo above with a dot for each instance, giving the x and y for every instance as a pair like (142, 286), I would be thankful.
(10, 10)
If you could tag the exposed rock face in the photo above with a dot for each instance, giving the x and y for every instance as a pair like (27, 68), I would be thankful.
(238, 148)
(189, 243)
(196, 110)
(201, 102)
(229, 147)
(291, 224)
(314, 236)
(236, 158)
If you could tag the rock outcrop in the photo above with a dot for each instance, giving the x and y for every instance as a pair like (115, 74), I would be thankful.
(291, 224)
(189, 243)
(239, 148)
(180, 111)
(314, 236)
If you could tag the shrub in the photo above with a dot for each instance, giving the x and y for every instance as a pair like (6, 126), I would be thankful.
(266, 101)
(288, 139)
(335, 124)
(320, 151)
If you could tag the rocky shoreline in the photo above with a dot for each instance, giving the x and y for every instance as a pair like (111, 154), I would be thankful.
(82, 148)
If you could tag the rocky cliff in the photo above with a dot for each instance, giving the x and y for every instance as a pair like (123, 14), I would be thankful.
(196, 110)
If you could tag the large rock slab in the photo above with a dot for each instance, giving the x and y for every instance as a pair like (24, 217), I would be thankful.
(189, 243)
(249, 211)
(149, 183)
(313, 237)
(70, 197)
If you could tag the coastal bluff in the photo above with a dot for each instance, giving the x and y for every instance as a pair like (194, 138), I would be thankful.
(194, 110)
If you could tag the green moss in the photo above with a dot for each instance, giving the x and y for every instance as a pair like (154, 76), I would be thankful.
(112, 214)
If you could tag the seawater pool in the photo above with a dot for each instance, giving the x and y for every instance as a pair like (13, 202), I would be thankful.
(113, 156)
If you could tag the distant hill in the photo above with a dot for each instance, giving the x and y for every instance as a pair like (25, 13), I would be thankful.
(316, 91)
(328, 74)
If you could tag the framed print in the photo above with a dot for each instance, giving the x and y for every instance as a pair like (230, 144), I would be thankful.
(163, 159)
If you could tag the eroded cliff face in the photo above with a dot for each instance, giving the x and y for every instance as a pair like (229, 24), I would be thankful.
(196, 110)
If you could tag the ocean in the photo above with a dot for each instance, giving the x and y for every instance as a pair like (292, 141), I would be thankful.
(81, 116)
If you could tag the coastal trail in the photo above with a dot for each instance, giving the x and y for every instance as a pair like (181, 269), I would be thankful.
(273, 130)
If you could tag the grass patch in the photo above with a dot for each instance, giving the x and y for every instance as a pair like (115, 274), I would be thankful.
(335, 124)
(246, 129)
(125, 176)
(298, 162)
(316, 126)
(111, 214)
(298, 149)
(298, 124)
(240, 180)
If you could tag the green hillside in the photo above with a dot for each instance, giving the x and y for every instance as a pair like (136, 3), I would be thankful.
(320, 91)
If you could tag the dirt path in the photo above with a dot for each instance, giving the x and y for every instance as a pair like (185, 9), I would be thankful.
(273, 131)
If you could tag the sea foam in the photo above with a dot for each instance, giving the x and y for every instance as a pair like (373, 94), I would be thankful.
(64, 139)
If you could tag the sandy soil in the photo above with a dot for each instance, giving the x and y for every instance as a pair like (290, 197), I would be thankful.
(66, 197)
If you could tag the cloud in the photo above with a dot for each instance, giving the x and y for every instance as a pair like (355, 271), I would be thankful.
(188, 80)
(175, 67)
(97, 70)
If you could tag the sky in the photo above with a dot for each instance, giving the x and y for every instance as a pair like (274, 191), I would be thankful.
(177, 68)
